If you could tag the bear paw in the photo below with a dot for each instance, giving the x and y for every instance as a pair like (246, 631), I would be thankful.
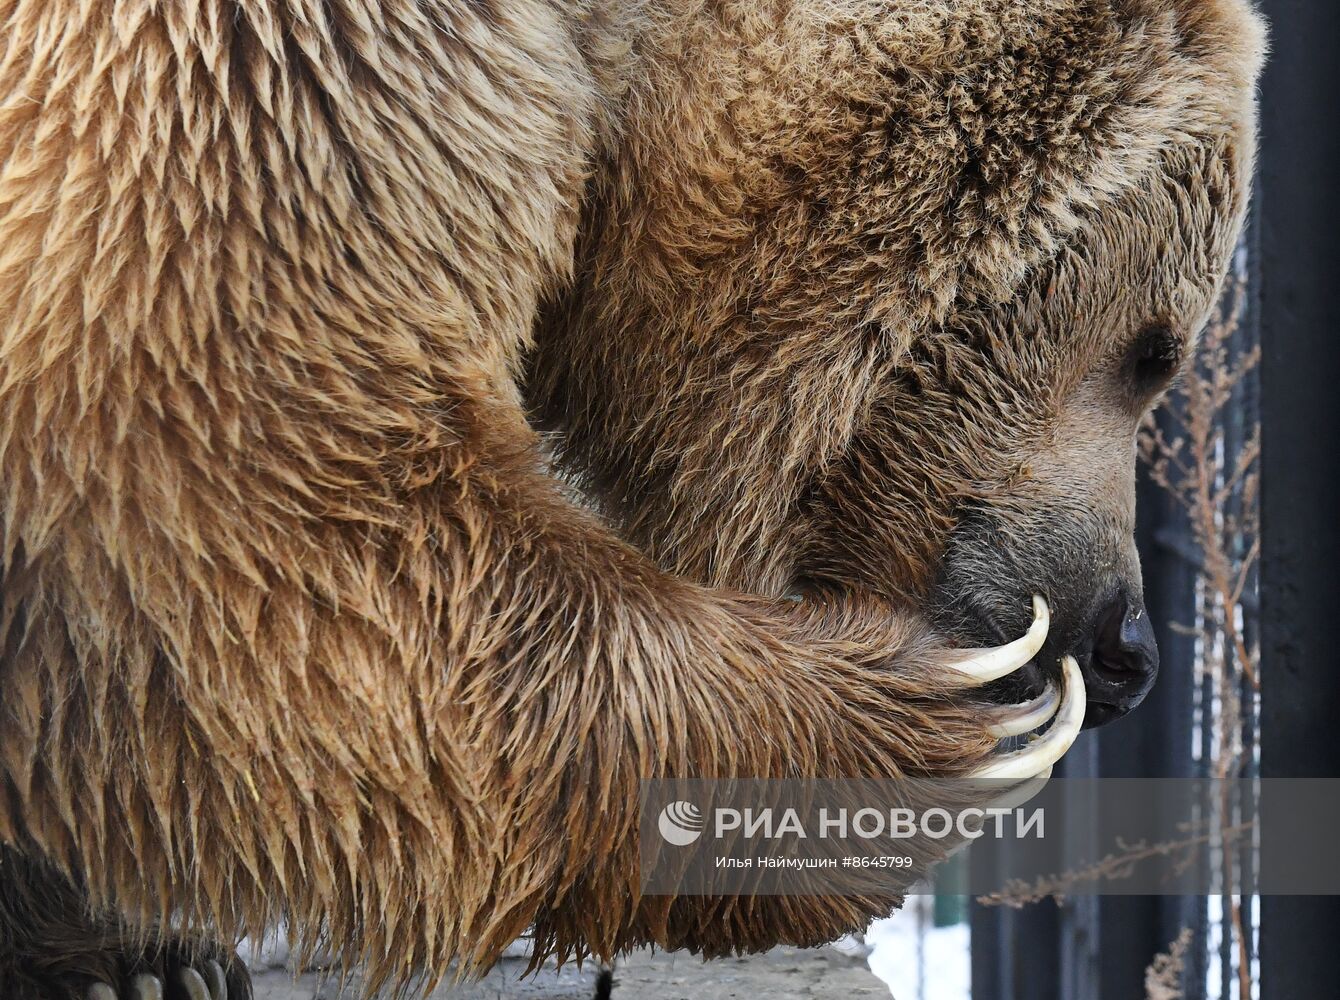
(178, 979)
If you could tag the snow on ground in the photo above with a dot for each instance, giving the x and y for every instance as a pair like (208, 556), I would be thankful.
(918, 960)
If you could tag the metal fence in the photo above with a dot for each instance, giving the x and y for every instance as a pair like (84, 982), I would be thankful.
(1242, 947)
(1095, 947)
(1297, 264)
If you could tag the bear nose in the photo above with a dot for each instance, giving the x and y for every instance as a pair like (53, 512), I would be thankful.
(1123, 662)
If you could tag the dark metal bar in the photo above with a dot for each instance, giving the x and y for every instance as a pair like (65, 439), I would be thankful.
(1298, 263)
(1153, 742)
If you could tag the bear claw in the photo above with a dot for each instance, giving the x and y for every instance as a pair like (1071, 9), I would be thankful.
(206, 983)
(192, 984)
(146, 987)
(1046, 750)
(218, 981)
(1016, 720)
(981, 666)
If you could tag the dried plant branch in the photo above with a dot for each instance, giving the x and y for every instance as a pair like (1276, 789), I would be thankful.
(1218, 487)
(1018, 893)
(1213, 477)
(1163, 977)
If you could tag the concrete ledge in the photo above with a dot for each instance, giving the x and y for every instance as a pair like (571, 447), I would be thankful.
(781, 974)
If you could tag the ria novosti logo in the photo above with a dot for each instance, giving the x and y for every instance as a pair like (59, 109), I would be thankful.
(681, 823)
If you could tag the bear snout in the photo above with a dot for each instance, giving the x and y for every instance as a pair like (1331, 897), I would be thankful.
(1121, 661)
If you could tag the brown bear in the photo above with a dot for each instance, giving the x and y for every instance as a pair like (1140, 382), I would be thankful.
(422, 420)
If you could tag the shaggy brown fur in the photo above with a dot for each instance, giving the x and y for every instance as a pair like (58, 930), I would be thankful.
(821, 293)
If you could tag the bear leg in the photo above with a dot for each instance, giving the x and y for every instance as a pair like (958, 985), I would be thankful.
(53, 948)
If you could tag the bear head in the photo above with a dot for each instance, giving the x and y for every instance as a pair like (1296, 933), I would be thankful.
(874, 295)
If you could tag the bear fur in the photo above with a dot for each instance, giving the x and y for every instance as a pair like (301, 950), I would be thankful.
(300, 301)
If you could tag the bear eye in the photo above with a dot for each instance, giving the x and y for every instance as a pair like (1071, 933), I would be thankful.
(1153, 360)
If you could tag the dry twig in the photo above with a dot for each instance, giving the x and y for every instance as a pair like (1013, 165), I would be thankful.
(1213, 476)
(1163, 977)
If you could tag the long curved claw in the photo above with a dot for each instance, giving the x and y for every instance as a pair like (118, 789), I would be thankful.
(1015, 720)
(1045, 751)
(192, 984)
(217, 981)
(981, 666)
(1017, 795)
(1013, 797)
(146, 987)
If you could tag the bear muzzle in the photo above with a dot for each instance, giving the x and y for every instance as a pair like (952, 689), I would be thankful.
(1120, 660)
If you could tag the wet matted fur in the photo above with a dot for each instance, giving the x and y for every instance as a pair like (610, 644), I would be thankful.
(818, 294)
